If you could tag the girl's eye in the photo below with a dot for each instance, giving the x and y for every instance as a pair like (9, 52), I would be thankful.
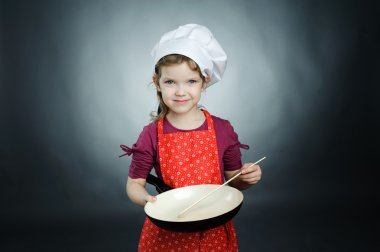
(192, 81)
(169, 82)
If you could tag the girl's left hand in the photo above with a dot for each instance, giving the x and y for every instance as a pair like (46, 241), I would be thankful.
(251, 174)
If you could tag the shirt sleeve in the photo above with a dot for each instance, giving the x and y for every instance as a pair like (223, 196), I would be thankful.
(232, 155)
(144, 153)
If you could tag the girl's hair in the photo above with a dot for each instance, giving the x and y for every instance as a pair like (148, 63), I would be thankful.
(168, 60)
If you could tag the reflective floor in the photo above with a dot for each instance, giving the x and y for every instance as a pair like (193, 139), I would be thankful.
(263, 229)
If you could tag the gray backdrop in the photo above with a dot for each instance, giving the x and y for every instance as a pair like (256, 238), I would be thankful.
(301, 87)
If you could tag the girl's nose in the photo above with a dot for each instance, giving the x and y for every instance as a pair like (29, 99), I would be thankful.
(180, 90)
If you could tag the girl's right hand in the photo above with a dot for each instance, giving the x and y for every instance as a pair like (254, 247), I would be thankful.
(150, 198)
(137, 193)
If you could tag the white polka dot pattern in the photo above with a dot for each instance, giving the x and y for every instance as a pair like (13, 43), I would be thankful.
(188, 151)
(189, 158)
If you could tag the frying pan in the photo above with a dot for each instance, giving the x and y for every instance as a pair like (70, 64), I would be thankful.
(211, 212)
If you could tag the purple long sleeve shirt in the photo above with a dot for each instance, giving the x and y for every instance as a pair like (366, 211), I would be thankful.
(145, 154)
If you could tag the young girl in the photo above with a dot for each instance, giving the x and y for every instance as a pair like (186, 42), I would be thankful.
(185, 144)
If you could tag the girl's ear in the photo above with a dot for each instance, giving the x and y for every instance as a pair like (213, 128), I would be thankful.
(205, 83)
(155, 81)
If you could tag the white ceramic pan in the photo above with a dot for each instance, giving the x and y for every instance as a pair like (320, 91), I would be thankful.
(211, 212)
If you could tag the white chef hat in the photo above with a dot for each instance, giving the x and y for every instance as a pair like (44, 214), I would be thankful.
(197, 43)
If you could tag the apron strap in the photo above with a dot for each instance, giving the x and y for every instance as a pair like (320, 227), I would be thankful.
(210, 123)
(160, 126)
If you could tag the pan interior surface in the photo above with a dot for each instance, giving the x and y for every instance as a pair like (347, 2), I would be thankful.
(169, 204)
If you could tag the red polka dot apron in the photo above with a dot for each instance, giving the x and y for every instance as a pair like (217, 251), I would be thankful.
(188, 158)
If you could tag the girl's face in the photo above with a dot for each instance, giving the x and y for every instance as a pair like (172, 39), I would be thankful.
(181, 88)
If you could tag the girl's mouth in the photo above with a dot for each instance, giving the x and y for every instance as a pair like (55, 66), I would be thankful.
(181, 101)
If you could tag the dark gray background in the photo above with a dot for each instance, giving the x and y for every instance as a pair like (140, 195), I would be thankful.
(301, 87)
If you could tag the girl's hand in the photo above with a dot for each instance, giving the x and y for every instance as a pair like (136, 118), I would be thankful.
(150, 198)
(250, 174)
(137, 193)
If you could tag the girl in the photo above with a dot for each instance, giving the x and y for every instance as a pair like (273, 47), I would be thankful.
(185, 144)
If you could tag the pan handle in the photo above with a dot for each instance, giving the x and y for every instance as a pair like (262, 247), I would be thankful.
(158, 183)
